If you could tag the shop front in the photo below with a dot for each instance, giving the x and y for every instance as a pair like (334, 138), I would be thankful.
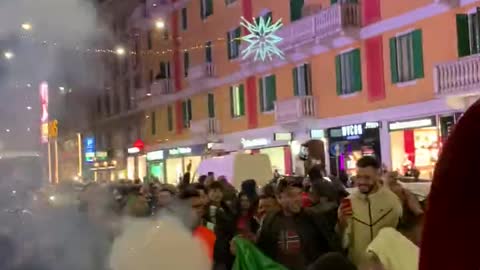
(416, 143)
(136, 161)
(179, 159)
(277, 148)
(347, 144)
(156, 166)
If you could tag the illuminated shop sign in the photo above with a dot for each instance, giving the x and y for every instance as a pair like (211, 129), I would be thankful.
(282, 136)
(353, 132)
(138, 146)
(317, 134)
(90, 148)
(133, 150)
(180, 151)
(254, 143)
(412, 124)
(101, 156)
(157, 155)
(44, 111)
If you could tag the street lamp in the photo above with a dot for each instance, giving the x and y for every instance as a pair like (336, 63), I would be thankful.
(120, 51)
(26, 26)
(8, 55)
(160, 24)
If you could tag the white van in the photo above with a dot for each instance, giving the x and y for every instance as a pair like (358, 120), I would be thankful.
(237, 167)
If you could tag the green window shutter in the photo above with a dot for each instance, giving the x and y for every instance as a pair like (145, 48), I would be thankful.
(238, 34)
(463, 37)
(209, 7)
(393, 60)
(242, 100)
(338, 74)
(418, 54)
(333, 2)
(184, 113)
(202, 10)
(184, 19)
(211, 105)
(271, 92)
(232, 104)
(357, 70)
(260, 94)
(189, 109)
(169, 118)
(296, 7)
(229, 45)
(295, 81)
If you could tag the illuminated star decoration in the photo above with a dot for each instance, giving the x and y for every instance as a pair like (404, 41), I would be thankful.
(262, 38)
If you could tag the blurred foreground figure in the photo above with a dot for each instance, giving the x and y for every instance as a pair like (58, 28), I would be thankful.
(450, 239)
(157, 244)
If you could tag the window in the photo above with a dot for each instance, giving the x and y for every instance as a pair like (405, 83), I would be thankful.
(468, 33)
(348, 72)
(296, 9)
(406, 57)
(128, 100)
(186, 63)
(267, 93)
(302, 80)
(164, 71)
(237, 101)
(229, 2)
(206, 8)
(184, 19)
(151, 77)
(265, 15)
(233, 43)
(187, 112)
(169, 118)
(138, 81)
(343, 1)
(208, 52)
(150, 40)
(211, 105)
(153, 123)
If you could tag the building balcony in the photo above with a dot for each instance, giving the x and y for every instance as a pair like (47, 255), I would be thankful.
(458, 78)
(209, 127)
(201, 72)
(295, 110)
(162, 87)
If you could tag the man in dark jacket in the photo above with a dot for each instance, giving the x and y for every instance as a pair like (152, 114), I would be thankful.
(292, 236)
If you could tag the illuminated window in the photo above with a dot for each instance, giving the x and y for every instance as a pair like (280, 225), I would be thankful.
(233, 43)
(267, 93)
(237, 101)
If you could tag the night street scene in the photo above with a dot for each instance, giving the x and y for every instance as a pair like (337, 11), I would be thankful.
(239, 134)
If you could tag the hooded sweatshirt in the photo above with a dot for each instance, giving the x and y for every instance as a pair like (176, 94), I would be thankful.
(371, 213)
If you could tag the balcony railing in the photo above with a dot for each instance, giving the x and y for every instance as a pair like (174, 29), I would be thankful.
(207, 127)
(162, 87)
(203, 71)
(295, 109)
(327, 23)
(460, 77)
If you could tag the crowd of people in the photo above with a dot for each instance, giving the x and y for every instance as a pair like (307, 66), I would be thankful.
(299, 222)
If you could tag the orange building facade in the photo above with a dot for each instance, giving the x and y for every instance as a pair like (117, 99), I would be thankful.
(385, 78)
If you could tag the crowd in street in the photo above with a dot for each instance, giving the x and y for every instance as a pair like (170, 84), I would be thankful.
(298, 222)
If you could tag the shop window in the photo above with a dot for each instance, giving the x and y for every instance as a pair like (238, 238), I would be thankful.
(208, 52)
(169, 118)
(406, 57)
(267, 93)
(468, 33)
(296, 9)
(233, 43)
(348, 72)
(206, 8)
(302, 80)
(229, 2)
(211, 105)
(184, 19)
(186, 63)
(187, 112)
(237, 101)
(153, 123)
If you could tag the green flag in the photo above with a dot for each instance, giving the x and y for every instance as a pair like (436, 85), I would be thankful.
(248, 257)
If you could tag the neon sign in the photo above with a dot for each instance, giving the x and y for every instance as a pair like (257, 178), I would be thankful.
(44, 111)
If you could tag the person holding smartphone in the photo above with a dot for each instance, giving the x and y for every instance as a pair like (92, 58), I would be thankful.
(367, 210)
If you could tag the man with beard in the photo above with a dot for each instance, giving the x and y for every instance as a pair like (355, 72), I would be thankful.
(367, 210)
